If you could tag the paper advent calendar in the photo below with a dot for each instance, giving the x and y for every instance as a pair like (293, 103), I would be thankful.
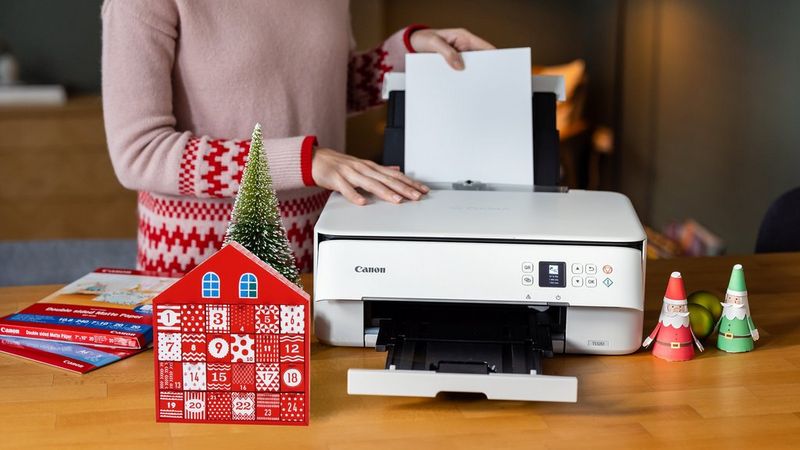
(231, 344)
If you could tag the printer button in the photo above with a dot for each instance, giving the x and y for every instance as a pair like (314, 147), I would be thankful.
(590, 269)
(577, 268)
(527, 280)
(591, 282)
(527, 267)
(577, 282)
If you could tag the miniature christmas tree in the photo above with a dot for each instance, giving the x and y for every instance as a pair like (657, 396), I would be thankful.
(255, 220)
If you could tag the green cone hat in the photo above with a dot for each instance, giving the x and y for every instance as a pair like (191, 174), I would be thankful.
(737, 279)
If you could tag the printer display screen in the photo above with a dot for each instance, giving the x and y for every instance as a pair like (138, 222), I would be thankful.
(552, 274)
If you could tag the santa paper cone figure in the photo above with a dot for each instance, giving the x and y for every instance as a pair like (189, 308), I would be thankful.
(673, 336)
(737, 332)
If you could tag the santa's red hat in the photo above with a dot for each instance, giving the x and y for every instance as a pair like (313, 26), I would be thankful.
(676, 293)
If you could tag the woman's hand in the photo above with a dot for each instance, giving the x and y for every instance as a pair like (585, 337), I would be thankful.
(448, 43)
(343, 173)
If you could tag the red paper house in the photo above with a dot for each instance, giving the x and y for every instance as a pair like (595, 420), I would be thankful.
(231, 344)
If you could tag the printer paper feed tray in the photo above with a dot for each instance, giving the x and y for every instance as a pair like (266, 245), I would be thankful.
(437, 347)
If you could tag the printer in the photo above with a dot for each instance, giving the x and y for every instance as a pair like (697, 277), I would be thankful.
(472, 287)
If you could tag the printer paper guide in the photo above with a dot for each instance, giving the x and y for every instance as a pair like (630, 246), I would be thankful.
(474, 124)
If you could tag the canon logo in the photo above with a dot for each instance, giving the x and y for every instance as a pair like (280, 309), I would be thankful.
(362, 269)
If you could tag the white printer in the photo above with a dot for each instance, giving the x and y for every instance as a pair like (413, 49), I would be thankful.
(467, 290)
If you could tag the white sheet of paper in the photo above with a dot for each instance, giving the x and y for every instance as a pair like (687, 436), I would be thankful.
(473, 124)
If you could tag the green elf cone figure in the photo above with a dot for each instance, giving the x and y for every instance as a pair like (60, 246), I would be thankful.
(737, 332)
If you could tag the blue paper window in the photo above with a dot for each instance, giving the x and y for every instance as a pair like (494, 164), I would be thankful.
(210, 285)
(248, 286)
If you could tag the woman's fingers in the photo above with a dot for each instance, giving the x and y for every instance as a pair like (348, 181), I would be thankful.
(476, 43)
(347, 174)
(371, 185)
(400, 176)
(394, 172)
(463, 40)
(395, 184)
(440, 46)
(448, 43)
(349, 192)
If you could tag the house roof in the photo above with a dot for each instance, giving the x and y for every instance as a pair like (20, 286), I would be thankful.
(269, 269)
(222, 264)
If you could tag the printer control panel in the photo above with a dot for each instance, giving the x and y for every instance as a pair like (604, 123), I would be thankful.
(555, 274)
(580, 275)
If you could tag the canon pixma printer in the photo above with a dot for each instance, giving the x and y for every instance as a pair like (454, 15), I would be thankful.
(469, 289)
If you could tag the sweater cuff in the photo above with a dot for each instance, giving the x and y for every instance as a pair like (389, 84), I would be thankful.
(306, 155)
(407, 36)
(285, 162)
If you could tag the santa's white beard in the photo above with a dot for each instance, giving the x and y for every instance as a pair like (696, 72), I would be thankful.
(733, 311)
(675, 320)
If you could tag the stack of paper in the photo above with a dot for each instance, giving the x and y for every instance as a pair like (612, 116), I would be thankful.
(96, 320)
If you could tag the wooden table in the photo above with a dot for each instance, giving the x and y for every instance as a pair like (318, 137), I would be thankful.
(717, 401)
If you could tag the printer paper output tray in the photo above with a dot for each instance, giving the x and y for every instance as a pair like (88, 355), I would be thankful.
(435, 347)
(418, 383)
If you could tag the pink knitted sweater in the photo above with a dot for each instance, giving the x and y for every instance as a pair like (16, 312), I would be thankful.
(184, 81)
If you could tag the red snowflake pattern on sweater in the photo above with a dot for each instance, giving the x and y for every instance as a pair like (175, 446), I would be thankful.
(365, 72)
(222, 167)
(187, 168)
(212, 167)
(175, 234)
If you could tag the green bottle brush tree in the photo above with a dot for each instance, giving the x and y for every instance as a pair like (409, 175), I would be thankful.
(255, 220)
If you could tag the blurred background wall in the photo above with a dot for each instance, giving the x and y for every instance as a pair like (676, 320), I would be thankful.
(55, 174)
(710, 111)
(700, 98)
(55, 41)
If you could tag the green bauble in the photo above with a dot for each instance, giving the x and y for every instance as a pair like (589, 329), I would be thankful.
(708, 300)
(701, 320)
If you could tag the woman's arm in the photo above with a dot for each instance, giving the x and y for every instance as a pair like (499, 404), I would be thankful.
(366, 70)
(147, 151)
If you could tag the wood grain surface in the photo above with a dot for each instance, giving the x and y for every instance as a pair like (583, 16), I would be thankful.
(716, 401)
